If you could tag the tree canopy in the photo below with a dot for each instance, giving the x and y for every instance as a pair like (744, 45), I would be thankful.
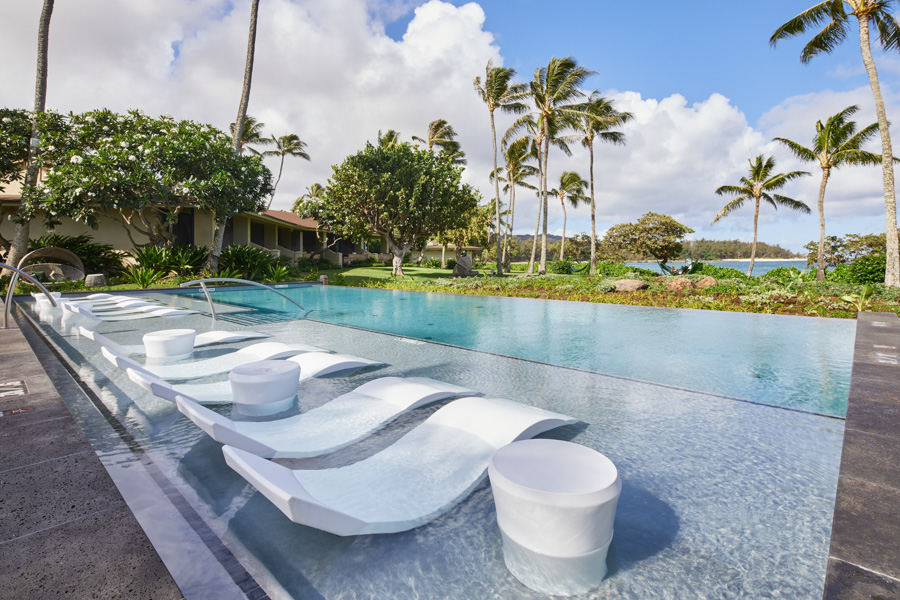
(15, 131)
(658, 235)
(143, 167)
(399, 192)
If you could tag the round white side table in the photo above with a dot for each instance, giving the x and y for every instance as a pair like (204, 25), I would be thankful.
(265, 387)
(170, 344)
(556, 503)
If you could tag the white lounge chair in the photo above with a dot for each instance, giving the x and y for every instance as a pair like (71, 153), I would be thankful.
(211, 366)
(207, 338)
(328, 428)
(312, 364)
(413, 481)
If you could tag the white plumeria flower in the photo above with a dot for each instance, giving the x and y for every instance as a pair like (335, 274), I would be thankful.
(132, 157)
(78, 191)
(6, 119)
(50, 148)
(76, 160)
(105, 128)
(123, 145)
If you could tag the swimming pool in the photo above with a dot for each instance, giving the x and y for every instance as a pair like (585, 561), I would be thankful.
(721, 499)
(797, 362)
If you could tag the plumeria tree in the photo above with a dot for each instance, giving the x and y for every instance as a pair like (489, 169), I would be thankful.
(147, 169)
(15, 131)
(657, 235)
(401, 193)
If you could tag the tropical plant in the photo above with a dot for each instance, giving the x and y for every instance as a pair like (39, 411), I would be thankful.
(277, 274)
(249, 261)
(497, 92)
(554, 91)
(391, 137)
(836, 143)
(143, 277)
(571, 188)
(561, 267)
(867, 269)
(833, 15)
(154, 258)
(599, 122)
(252, 135)
(32, 166)
(515, 172)
(97, 258)
(758, 186)
(286, 145)
(187, 259)
(15, 131)
(862, 300)
(399, 192)
(441, 134)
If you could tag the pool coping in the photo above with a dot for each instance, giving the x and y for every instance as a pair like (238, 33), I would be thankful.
(864, 555)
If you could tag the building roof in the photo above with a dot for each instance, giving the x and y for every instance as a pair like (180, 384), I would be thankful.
(291, 218)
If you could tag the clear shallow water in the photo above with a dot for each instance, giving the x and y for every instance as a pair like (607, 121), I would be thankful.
(760, 267)
(798, 362)
(721, 499)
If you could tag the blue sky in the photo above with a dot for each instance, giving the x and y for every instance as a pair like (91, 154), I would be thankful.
(707, 90)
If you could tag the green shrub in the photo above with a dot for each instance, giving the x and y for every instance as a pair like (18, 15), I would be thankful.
(720, 272)
(368, 262)
(867, 269)
(839, 274)
(251, 262)
(143, 277)
(783, 275)
(187, 259)
(97, 258)
(607, 285)
(155, 258)
(277, 274)
(560, 267)
(451, 262)
(618, 270)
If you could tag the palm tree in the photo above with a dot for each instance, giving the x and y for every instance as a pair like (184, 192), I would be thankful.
(515, 173)
(598, 123)
(313, 192)
(836, 143)
(571, 188)
(19, 245)
(391, 137)
(867, 12)
(758, 186)
(286, 145)
(252, 134)
(496, 92)
(440, 133)
(554, 91)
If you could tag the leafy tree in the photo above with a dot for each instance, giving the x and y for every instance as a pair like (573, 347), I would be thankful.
(497, 92)
(658, 235)
(15, 130)
(401, 193)
(758, 186)
(286, 145)
(836, 20)
(473, 231)
(836, 143)
(571, 188)
(19, 245)
(391, 137)
(142, 167)
(599, 122)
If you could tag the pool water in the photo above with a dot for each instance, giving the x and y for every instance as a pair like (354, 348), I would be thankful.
(797, 362)
(721, 498)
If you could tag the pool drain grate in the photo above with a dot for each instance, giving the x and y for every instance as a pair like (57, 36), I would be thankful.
(257, 318)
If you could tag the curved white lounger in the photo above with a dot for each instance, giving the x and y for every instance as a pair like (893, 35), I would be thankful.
(207, 338)
(411, 482)
(328, 428)
(153, 310)
(211, 366)
(312, 364)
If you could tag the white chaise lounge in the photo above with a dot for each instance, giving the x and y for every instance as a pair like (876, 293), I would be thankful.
(211, 366)
(312, 364)
(207, 338)
(408, 484)
(146, 312)
(327, 428)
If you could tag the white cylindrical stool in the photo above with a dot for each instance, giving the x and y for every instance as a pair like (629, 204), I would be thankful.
(556, 502)
(170, 344)
(265, 387)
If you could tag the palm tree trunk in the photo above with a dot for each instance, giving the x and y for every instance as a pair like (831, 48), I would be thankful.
(544, 204)
(537, 227)
(593, 269)
(820, 259)
(496, 193)
(562, 246)
(512, 215)
(19, 244)
(892, 273)
(280, 168)
(444, 256)
(753, 248)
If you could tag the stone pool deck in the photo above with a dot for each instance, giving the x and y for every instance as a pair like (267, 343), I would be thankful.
(65, 530)
(864, 559)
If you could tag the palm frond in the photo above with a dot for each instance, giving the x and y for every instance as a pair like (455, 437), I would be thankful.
(826, 40)
(888, 30)
(730, 207)
(801, 152)
(791, 203)
(811, 17)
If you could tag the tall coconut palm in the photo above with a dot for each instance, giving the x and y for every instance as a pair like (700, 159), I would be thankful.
(571, 188)
(252, 135)
(758, 186)
(599, 123)
(515, 173)
(19, 245)
(286, 145)
(836, 143)
(313, 192)
(440, 134)
(497, 92)
(836, 20)
(391, 137)
(554, 90)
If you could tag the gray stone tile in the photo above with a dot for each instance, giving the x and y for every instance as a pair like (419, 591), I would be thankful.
(47, 494)
(872, 458)
(39, 441)
(844, 581)
(43, 407)
(866, 530)
(103, 555)
(882, 418)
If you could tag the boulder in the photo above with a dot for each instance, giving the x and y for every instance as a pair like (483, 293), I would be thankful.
(706, 282)
(95, 280)
(463, 267)
(679, 283)
(631, 285)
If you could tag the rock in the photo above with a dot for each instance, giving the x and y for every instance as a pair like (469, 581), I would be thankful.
(679, 283)
(95, 280)
(463, 267)
(631, 285)
(660, 278)
(706, 282)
